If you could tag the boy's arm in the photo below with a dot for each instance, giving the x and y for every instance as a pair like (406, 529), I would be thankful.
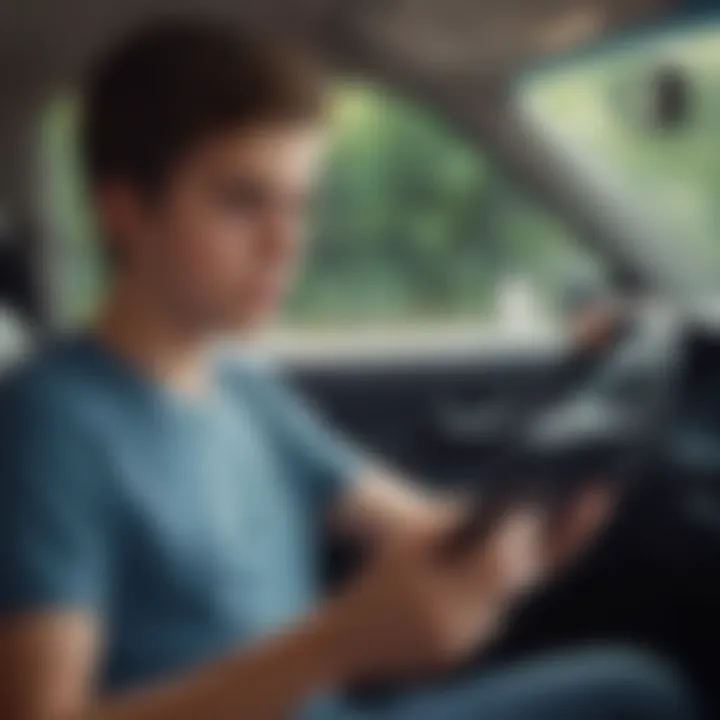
(47, 660)
(382, 506)
(364, 498)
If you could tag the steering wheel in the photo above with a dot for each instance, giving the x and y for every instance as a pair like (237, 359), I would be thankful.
(606, 422)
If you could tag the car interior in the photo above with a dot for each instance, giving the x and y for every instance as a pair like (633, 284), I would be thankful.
(485, 156)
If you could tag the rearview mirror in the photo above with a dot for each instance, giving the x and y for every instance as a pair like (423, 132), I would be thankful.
(669, 97)
(656, 97)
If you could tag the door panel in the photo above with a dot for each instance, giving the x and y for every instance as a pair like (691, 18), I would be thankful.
(444, 420)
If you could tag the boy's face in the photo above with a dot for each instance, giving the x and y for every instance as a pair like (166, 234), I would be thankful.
(219, 245)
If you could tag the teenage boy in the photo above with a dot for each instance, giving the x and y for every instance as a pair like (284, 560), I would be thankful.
(160, 514)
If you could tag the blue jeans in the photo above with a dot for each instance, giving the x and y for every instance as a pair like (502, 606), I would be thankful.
(602, 685)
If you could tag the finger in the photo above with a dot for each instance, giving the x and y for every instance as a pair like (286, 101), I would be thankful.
(509, 557)
(520, 550)
(446, 516)
(579, 524)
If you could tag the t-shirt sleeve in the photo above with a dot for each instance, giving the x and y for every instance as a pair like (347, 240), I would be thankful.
(52, 521)
(321, 456)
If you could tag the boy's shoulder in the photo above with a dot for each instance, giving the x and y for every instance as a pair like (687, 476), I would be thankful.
(53, 380)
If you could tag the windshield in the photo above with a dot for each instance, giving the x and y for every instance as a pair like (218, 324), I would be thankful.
(643, 118)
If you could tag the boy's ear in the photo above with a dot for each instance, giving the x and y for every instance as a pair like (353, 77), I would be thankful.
(122, 214)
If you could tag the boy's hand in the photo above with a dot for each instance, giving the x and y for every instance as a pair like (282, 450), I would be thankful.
(414, 611)
(576, 528)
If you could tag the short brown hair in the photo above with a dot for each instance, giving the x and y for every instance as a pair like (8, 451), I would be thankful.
(171, 84)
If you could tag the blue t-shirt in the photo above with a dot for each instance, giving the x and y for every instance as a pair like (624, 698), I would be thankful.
(190, 527)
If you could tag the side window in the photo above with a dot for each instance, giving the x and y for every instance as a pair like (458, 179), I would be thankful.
(413, 227)
(75, 273)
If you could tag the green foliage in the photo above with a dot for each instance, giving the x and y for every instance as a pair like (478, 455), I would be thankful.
(412, 222)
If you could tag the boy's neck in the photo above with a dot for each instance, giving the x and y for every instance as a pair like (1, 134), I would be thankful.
(140, 331)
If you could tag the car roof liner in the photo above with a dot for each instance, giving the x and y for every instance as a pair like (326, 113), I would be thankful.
(43, 42)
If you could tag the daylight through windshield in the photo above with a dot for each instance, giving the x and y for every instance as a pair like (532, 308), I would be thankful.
(642, 117)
